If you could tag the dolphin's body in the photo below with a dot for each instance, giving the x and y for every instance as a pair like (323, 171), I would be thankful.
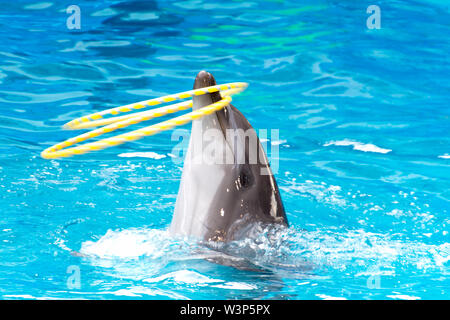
(221, 200)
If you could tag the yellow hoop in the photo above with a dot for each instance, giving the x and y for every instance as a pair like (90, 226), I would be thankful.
(114, 123)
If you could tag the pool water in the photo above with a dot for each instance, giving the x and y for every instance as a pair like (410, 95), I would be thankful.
(362, 154)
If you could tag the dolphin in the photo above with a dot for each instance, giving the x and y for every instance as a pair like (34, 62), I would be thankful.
(223, 191)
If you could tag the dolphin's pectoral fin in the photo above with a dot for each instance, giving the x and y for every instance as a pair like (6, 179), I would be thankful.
(236, 262)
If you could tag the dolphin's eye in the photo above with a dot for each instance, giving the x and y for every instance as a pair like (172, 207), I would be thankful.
(245, 179)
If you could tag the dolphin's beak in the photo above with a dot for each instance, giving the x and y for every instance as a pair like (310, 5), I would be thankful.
(204, 79)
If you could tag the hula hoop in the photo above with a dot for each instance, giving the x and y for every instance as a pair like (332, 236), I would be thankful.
(114, 123)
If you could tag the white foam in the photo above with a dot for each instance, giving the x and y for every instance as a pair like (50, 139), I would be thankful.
(366, 147)
(327, 297)
(320, 191)
(444, 156)
(278, 142)
(128, 244)
(139, 291)
(151, 155)
(185, 276)
(236, 286)
(403, 297)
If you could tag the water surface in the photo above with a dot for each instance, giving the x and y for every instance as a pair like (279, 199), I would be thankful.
(363, 164)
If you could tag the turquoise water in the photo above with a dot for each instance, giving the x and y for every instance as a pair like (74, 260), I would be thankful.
(364, 148)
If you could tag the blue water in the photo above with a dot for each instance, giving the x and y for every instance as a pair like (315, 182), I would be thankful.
(363, 164)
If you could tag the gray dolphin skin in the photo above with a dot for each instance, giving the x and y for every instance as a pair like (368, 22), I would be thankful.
(220, 200)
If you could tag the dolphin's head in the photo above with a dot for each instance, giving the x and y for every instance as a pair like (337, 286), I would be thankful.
(227, 184)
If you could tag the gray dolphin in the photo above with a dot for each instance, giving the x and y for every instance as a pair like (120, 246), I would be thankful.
(221, 200)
